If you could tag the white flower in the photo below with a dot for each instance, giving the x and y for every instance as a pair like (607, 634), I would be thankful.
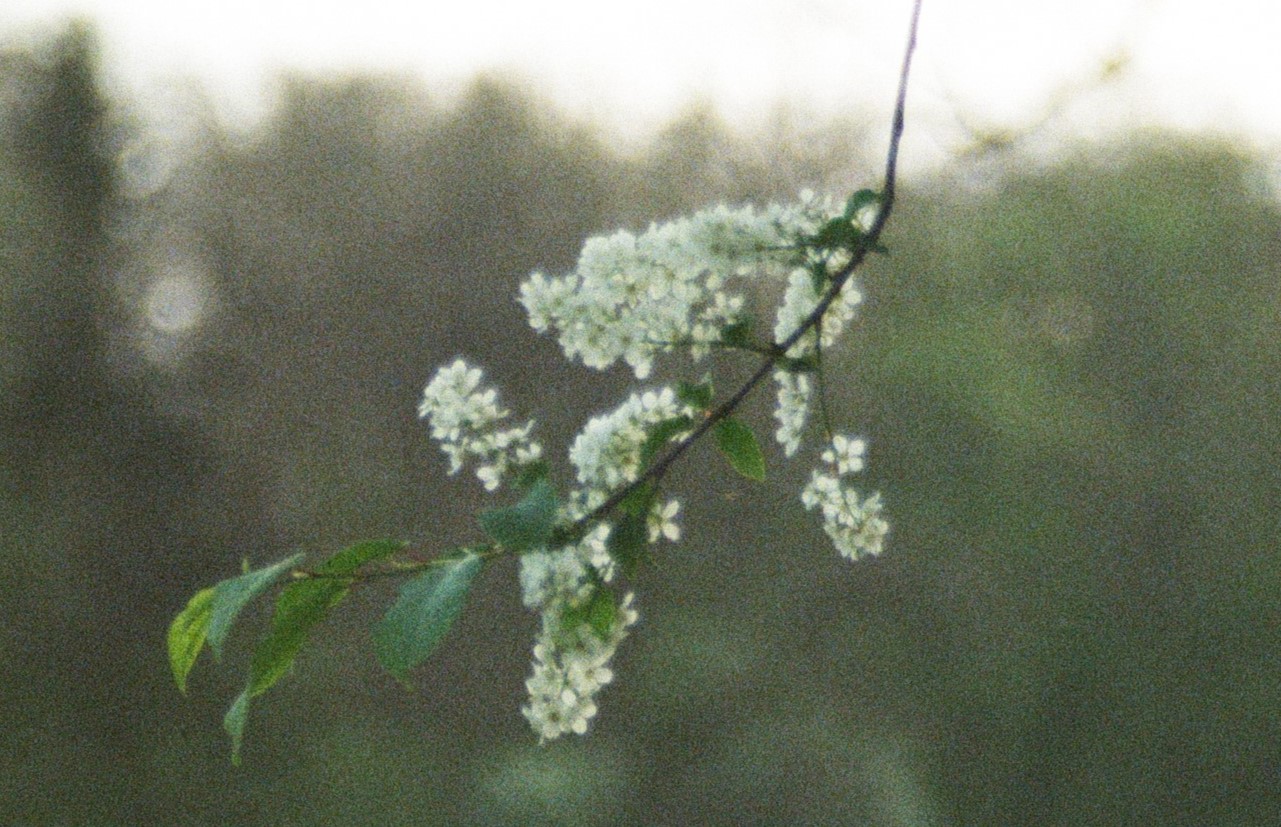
(855, 527)
(799, 302)
(662, 521)
(632, 298)
(566, 576)
(846, 454)
(607, 453)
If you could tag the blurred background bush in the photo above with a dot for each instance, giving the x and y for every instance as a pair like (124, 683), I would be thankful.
(212, 348)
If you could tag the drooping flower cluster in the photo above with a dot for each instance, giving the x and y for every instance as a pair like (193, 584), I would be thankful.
(800, 300)
(632, 297)
(855, 526)
(579, 632)
(465, 419)
(676, 285)
(793, 409)
(571, 664)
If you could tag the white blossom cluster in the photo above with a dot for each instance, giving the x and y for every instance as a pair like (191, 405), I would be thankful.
(607, 452)
(465, 419)
(799, 301)
(570, 666)
(632, 297)
(571, 661)
(792, 411)
(855, 526)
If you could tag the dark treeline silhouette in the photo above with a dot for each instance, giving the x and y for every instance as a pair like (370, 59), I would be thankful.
(1068, 379)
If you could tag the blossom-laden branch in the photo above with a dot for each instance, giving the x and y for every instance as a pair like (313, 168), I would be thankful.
(678, 286)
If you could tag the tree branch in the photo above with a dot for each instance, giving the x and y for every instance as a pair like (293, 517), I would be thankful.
(867, 243)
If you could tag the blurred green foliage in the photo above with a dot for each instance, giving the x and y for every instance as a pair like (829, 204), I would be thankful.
(1068, 376)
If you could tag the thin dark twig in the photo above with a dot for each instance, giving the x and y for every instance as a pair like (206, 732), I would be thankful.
(868, 241)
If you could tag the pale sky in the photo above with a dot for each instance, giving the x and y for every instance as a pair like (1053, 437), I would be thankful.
(990, 63)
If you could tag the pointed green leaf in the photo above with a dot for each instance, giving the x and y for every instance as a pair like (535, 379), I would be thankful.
(739, 445)
(528, 523)
(298, 609)
(629, 538)
(232, 595)
(860, 201)
(187, 635)
(697, 396)
(602, 612)
(356, 555)
(660, 435)
(423, 613)
(532, 473)
(234, 723)
(818, 277)
(306, 603)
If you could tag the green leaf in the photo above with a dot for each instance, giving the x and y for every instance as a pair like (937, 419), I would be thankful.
(860, 201)
(532, 473)
(234, 723)
(660, 435)
(697, 396)
(423, 613)
(602, 612)
(738, 334)
(306, 603)
(232, 595)
(187, 635)
(354, 556)
(739, 445)
(599, 613)
(298, 609)
(528, 523)
(818, 277)
(628, 542)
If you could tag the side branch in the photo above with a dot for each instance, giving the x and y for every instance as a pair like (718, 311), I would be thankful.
(867, 243)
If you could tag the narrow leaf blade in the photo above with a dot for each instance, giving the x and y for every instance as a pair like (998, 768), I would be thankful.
(232, 595)
(737, 442)
(234, 723)
(739, 333)
(598, 613)
(423, 614)
(697, 396)
(528, 523)
(860, 201)
(298, 609)
(187, 635)
(357, 555)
